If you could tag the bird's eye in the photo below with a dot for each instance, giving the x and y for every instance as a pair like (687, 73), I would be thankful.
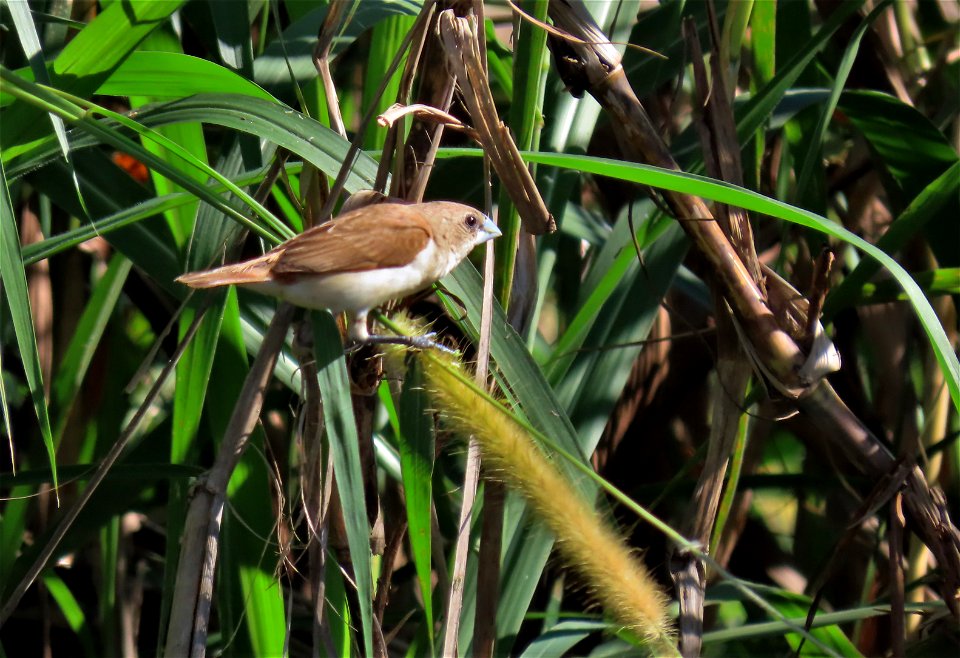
(472, 221)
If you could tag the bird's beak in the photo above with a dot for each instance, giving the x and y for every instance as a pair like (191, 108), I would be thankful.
(488, 231)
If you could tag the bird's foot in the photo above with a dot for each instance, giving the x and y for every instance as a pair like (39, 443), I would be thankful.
(424, 342)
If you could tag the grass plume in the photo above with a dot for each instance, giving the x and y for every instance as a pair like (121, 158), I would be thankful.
(587, 545)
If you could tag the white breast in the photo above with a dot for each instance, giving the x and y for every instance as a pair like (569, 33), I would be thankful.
(357, 291)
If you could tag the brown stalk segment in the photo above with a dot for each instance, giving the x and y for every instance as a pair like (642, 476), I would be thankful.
(721, 147)
(414, 160)
(417, 44)
(463, 55)
(718, 138)
(321, 61)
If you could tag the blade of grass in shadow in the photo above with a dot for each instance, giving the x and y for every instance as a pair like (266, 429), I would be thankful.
(106, 187)
(71, 610)
(907, 167)
(149, 207)
(231, 28)
(616, 259)
(86, 339)
(562, 637)
(18, 301)
(294, 51)
(883, 120)
(932, 202)
(815, 141)
(597, 377)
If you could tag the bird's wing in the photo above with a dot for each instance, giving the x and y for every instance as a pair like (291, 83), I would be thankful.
(369, 238)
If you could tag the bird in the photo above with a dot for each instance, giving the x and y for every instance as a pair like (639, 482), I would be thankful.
(360, 260)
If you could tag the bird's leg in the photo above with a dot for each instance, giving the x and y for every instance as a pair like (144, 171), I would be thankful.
(359, 336)
(356, 331)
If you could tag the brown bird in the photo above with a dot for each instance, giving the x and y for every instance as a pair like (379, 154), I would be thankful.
(361, 259)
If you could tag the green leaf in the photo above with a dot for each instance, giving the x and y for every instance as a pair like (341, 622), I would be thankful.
(341, 429)
(294, 50)
(737, 196)
(884, 121)
(562, 637)
(763, 37)
(88, 60)
(86, 339)
(231, 23)
(71, 610)
(761, 105)
(416, 441)
(175, 75)
(388, 35)
(30, 42)
(944, 281)
(14, 284)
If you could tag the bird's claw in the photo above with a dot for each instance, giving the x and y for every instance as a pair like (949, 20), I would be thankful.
(353, 347)
(424, 342)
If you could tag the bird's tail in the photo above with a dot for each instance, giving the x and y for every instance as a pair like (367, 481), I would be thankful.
(256, 270)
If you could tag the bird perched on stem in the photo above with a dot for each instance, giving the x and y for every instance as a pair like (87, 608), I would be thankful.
(362, 259)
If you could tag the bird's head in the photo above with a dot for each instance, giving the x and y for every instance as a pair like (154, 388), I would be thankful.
(457, 228)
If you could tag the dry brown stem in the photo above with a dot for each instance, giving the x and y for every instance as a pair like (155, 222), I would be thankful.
(418, 39)
(424, 113)
(321, 61)
(414, 161)
(718, 139)
(460, 39)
